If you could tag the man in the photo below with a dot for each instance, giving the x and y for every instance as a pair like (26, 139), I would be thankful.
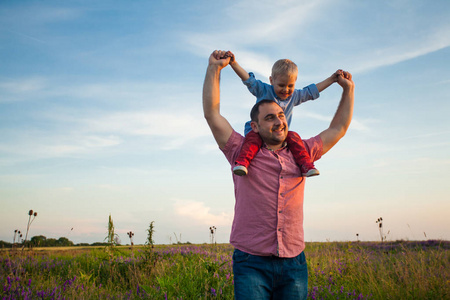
(267, 230)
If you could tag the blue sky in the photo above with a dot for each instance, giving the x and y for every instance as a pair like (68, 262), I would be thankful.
(100, 113)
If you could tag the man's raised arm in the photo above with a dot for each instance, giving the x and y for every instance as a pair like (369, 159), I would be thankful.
(343, 116)
(220, 127)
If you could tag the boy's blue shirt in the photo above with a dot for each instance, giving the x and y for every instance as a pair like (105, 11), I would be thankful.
(264, 91)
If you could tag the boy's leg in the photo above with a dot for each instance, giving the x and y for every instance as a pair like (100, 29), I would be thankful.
(300, 154)
(252, 143)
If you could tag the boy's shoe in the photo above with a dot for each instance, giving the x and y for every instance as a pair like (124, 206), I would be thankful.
(311, 172)
(240, 170)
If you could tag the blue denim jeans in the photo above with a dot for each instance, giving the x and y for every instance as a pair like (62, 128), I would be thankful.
(269, 277)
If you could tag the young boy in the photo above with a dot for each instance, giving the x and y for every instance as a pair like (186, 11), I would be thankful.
(281, 90)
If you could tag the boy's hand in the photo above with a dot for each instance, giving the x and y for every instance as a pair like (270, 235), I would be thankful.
(330, 80)
(236, 67)
(230, 55)
(219, 58)
(336, 75)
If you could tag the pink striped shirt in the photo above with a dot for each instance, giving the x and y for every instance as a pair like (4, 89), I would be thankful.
(268, 213)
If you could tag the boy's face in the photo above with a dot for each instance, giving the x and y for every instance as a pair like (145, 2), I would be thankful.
(283, 85)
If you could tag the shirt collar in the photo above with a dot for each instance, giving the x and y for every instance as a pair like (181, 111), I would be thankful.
(282, 146)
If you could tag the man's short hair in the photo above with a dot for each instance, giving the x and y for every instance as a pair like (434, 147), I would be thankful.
(284, 67)
(254, 113)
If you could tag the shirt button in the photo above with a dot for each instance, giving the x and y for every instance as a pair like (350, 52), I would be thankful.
(280, 211)
(279, 229)
(281, 194)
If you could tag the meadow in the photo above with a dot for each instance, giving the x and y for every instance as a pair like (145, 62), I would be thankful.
(337, 270)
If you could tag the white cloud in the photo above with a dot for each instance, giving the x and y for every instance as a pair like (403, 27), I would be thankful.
(124, 91)
(19, 89)
(152, 123)
(199, 212)
(86, 129)
(255, 62)
(355, 124)
(38, 14)
(289, 23)
(358, 125)
(56, 89)
(177, 128)
(274, 23)
(398, 53)
(276, 26)
(42, 145)
(426, 136)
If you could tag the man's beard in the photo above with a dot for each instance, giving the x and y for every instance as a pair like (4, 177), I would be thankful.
(270, 138)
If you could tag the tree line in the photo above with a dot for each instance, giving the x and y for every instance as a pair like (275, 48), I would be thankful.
(42, 241)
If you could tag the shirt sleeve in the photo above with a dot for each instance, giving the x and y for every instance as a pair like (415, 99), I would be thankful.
(256, 87)
(232, 147)
(314, 146)
(309, 92)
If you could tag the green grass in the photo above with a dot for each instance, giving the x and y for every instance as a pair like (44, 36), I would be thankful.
(397, 270)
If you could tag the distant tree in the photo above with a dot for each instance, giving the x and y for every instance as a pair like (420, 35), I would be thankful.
(38, 241)
(51, 243)
(42, 241)
(4, 244)
(99, 244)
(64, 242)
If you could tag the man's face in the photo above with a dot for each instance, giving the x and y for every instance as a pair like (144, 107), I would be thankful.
(283, 85)
(271, 125)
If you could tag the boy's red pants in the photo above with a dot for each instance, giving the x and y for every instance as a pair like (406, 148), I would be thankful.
(253, 142)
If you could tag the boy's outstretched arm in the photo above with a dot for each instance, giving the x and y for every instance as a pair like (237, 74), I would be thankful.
(236, 67)
(329, 81)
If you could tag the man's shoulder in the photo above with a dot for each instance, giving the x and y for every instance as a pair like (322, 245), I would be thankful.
(314, 147)
(233, 144)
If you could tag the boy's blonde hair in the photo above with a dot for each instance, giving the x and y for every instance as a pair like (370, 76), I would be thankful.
(284, 67)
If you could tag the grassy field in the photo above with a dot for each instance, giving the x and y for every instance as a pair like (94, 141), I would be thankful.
(353, 270)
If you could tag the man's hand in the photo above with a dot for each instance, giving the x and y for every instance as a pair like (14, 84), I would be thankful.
(344, 79)
(218, 58)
